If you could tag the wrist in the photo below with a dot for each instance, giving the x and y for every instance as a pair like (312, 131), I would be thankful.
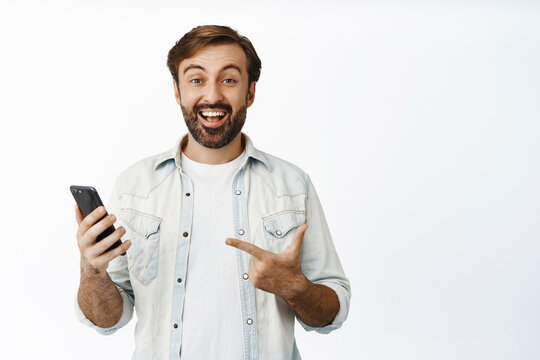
(300, 287)
(89, 271)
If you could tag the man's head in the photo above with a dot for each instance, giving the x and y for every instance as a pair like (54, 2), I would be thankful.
(214, 70)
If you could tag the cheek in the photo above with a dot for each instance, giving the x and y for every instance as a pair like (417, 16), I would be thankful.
(237, 101)
(187, 96)
(186, 101)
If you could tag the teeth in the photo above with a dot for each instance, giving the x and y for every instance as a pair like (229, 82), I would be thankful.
(213, 113)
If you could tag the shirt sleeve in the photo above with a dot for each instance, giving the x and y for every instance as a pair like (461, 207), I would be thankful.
(320, 263)
(119, 274)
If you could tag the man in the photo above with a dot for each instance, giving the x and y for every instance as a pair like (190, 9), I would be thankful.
(225, 244)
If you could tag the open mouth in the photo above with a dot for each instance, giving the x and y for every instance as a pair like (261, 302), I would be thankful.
(212, 115)
(213, 118)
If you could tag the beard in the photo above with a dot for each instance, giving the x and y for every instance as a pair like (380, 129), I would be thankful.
(214, 138)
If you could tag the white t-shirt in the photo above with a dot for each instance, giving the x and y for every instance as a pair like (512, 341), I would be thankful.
(212, 318)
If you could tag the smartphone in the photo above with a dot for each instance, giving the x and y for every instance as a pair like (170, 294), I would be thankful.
(88, 200)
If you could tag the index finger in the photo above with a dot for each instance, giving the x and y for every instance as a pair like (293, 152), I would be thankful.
(91, 219)
(247, 247)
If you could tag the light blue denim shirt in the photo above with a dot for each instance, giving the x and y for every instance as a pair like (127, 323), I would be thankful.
(270, 198)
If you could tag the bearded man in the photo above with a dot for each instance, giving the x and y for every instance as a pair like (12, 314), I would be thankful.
(226, 245)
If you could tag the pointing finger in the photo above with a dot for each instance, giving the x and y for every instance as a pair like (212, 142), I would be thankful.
(247, 247)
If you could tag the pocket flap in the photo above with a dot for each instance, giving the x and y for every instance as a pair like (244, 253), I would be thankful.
(281, 223)
(141, 223)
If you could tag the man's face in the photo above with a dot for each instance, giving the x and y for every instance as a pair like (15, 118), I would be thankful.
(214, 93)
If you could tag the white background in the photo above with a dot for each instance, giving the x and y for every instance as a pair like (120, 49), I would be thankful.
(417, 121)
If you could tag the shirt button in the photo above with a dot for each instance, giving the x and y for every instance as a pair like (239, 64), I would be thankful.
(175, 326)
(249, 321)
(241, 232)
(278, 232)
(187, 194)
(237, 192)
(245, 276)
(179, 280)
(185, 234)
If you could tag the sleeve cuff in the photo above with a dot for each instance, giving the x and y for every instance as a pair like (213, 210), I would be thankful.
(127, 314)
(344, 300)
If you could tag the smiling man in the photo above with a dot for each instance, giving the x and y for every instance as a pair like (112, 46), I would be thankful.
(226, 245)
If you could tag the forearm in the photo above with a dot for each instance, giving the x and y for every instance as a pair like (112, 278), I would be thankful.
(99, 299)
(314, 304)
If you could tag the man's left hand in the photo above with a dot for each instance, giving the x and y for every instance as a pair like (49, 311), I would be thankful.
(280, 273)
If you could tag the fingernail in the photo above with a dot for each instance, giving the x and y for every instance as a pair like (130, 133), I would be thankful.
(228, 241)
(101, 210)
(112, 217)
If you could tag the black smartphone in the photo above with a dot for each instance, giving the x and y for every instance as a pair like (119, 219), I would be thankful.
(88, 200)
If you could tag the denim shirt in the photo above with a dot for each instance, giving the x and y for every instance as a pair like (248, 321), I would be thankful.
(270, 198)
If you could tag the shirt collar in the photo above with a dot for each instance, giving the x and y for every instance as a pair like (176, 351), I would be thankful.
(175, 153)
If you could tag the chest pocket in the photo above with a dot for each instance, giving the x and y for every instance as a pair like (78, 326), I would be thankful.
(279, 228)
(143, 255)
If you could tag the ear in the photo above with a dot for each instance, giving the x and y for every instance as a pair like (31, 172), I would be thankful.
(176, 92)
(251, 94)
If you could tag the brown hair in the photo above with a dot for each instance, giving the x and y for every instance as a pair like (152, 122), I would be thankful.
(204, 35)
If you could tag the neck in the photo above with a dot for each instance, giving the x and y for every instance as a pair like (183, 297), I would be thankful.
(201, 154)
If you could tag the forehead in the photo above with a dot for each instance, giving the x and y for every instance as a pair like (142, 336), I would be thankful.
(215, 57)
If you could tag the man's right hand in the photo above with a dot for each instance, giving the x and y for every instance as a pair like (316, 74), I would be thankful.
(94, 259)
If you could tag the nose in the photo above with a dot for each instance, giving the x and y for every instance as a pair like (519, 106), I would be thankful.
(213, 93)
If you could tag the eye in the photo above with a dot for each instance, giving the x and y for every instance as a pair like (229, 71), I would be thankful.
(229, 81)
(196, 81)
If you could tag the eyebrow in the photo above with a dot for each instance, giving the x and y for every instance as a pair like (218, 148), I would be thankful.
(190, 67)
(232, 66)
(199, 67)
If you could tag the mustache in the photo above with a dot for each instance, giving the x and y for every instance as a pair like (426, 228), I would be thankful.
(221, 106)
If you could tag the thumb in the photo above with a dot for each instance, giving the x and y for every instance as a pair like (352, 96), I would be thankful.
(298, 239)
